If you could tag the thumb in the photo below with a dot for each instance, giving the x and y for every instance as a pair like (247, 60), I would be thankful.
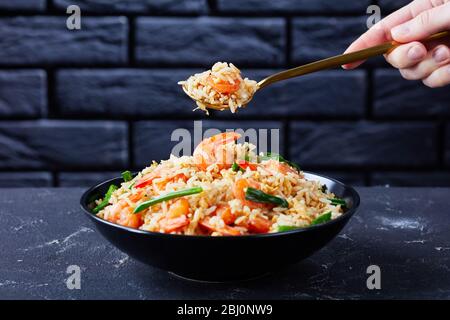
(423, 25)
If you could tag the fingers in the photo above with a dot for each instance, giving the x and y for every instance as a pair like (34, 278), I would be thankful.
(438, 78)
(424, 24)
(407, 55)
(375, 35)
(435, 59)
(381, 32)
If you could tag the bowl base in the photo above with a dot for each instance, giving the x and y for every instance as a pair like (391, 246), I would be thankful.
(194, 279)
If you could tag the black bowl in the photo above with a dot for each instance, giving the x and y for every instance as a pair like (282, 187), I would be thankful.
(224, 258)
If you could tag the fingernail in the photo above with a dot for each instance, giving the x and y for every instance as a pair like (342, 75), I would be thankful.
(399, 31)
(441, 54)
(416, 53)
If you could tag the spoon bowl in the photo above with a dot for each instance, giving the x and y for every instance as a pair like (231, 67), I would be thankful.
(219, 107)
(324, 64)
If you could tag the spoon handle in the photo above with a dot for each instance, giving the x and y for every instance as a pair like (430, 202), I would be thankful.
(339, 60)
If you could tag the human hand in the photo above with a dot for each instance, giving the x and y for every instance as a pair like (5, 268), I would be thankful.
(428, 62)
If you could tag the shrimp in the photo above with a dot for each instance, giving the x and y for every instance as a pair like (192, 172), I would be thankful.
(122, 214)
(225, 230)
(176, 218)
(149, 177)
(222, 86)
(256, 225)
(169, 225)
(224, 211)
(129, 219)
(156, 174)
(259, 225)
(162, 184)
(135, 197)
(275, 167)
(239, 188)
(178, 208)
(214, 150)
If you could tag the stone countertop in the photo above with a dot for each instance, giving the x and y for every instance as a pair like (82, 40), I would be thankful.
(404, 231)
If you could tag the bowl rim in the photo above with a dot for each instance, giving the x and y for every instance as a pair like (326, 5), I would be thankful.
(348, 214)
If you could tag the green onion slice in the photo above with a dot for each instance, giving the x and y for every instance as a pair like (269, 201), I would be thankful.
(105, 200)
(287, 228)
(171, 195)
(127, 176)
(321, 219)
(337, 202)
(256, 195)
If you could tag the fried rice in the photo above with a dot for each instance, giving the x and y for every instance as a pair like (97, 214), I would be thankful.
(218, 179)
(222, 85)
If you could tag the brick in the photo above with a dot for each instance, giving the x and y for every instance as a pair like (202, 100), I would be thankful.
(46, 40)
(397, 97)
(304, 96)
(23, 93)
(318, 38)
(349, 178)
(141, 6)
(23, 5)
(292, 6)
(387, 6)
(25, 179)
(152, 139)
(359, 144)
(205, 40)
(412, 179)
(447, 145)
(55, 144)
(84, 179)
(124, 93)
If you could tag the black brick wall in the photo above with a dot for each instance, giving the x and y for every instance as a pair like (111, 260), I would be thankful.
(77, 107)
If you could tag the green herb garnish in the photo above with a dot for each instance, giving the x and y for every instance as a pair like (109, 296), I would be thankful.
(321, 219)
(287, 228)
(235, 167)
(256, 195)
(171, 195)
(337, 202)
(127, 176)
(105, 200)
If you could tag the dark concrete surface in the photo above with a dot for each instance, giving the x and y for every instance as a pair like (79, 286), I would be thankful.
(404, 231)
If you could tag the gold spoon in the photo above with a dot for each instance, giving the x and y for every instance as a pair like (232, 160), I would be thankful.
(327, 63)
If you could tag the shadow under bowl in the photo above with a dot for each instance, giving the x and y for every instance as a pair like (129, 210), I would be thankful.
(223, 258)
